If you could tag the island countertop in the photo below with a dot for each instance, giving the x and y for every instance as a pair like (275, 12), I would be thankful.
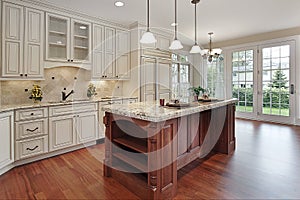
(152, 111)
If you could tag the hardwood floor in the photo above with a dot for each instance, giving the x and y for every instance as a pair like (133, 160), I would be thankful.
(265, 165)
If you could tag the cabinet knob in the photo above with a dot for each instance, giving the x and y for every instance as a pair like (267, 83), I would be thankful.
(69, 60)
(72, 60)
(26, 75)
(21, 74)
(31, 114)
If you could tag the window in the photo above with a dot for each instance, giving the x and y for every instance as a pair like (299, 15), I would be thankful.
(180, 77)
(215, 77)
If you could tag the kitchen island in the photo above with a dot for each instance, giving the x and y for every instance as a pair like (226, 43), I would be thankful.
(145, 144)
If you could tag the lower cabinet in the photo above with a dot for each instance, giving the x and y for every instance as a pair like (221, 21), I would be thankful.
(61, 132)
(31, 147)
(6, 139)
(69, 130)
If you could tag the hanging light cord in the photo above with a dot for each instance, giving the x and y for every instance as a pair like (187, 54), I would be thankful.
(148, 15)
(175, 19)
(196, 24)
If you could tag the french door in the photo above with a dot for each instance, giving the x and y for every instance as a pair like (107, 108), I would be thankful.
(263, 81)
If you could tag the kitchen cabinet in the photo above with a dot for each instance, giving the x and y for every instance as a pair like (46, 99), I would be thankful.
(87, 127)
(155, 79)
(123, 54)
(72, 124)
(111, 57)
(67, 39)
(22, 42)
(61, 132)
(6, 139)
(31, 131)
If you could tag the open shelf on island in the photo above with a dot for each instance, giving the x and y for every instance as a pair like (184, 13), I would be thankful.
(136, 160)
(137, 144)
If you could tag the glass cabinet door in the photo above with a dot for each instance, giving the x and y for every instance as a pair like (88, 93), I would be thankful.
(81, 41)
(57, 38)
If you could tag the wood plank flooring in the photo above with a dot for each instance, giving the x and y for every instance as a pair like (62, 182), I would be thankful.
(265, 165)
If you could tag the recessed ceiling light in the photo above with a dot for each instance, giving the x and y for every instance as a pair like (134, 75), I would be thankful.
(174, 24)
(119, 3)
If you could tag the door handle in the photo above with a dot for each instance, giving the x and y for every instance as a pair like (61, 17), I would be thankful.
(292, 89)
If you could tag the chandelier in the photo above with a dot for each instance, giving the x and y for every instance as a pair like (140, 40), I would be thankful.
(211, 53)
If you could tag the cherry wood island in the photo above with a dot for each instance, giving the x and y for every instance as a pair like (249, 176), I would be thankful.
(145, 144)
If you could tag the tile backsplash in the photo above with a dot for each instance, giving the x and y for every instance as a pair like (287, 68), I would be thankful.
(56, 79)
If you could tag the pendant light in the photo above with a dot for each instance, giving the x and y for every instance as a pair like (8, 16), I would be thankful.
(196, 48)
(176, 44)
(148, 37)
(211, 53)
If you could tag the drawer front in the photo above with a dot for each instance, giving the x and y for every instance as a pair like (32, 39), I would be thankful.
(31, 147)
(31, 128)
(70, 109)
(28, 114)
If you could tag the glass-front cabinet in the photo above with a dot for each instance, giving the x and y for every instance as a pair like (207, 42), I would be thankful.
(67, 40)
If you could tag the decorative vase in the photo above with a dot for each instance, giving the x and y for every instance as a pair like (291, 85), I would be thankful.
(196, 98)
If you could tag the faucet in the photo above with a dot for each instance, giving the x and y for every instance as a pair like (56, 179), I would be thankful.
(65, 96)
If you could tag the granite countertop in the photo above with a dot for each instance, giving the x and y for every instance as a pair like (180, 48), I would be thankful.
(7, 108)
(152, 111)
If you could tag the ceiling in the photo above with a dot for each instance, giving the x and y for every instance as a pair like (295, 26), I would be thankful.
(228, 19)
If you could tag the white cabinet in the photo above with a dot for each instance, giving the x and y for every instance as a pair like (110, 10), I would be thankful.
(61, 132)
(72, 124)
(67, 40)
(31, 131)
(98, 52)
(22, 50)
(6, 139)
(87, 127)
(111, 53)
(123, 54)
(155, 79)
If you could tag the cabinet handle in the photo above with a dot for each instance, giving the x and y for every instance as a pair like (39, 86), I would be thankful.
(29, 149)
(32, 130)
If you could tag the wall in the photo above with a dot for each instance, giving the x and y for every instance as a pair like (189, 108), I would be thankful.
(56, 79)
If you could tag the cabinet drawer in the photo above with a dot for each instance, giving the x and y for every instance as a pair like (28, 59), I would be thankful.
(74, 108)
(31, 128)
(31, 147)
(35, 113)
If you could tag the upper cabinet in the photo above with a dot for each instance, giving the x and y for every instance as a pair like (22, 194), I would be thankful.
(22, 40)
(67, 40)
(111, 53)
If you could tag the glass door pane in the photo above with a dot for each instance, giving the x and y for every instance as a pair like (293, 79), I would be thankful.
(276, 80)
(57, 38)
(81, 41)
(242, 79)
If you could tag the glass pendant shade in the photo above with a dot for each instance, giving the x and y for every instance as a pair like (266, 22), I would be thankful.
(148, 38)
(196, 49)
(176, 45)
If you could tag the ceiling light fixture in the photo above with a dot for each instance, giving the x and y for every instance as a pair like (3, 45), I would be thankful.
(176, 44)
(196, 48)
(119, 3)
(82, 27)
(211, 53)
(148, 37)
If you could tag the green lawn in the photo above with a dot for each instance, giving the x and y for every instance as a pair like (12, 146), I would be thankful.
(266, 111)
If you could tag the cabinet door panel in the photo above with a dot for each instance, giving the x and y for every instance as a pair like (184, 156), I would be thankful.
(122, 66)
(98, 42)
(33, 58)
(110, 40)
(164, 74)
(109, 65)
(122, 39)
(6, 139)
(35, 25)
(61, 132)
(13, 23)
(12, 59)
(87, 128)
(98, 63)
